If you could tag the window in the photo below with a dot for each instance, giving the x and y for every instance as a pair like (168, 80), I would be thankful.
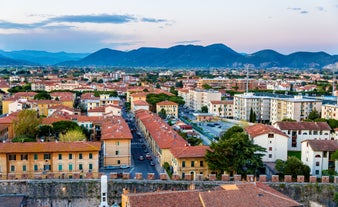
(116, 152)
(183, 163)
(192, 163)
(46, 156)
(201, 163)
(60, 167)
(70, 156)
(90, 155)
(80, 156)
(35, 156)
(270, 148)
(70, 167)
(46, 167)
(317, 172)
(117, 143)
(317, 163)
(294, 141)
(80, 167)
(270, 155)
(183, 175)
(90, 166)
(24, 168)
(118, 162)
(325, 154)
(36, 168)
(270, 135)
(24, 157)
(60, 156)
(12, 157)
(12, 168)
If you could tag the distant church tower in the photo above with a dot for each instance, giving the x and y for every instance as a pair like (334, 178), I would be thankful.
(104, 191)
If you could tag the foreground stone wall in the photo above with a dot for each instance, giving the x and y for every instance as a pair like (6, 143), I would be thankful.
(82, 193)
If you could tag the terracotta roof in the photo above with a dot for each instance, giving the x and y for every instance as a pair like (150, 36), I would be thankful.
(259, 129)
(97, 109)
(323, 145)
(30, 147)
(142, 94)
(189, 151)
(115, 128)
(140, 103)
(222, 102)
(24, 94)
(228, 195)
(303, 125)
(51, 120)
(167, 103)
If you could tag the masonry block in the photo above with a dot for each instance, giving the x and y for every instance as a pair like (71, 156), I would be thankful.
(138, 176)
(275, 178)
(11, 176)
(163, 176)
(300, 179)
(126, 176)
(151, 176)
(212, 177)
(313, 179)
(76, 175)
(225, 177)
(325, 179)
(288, 178)
(175, 177)
(237, 178)
(113, 175)
(199, 177)
(89, 175)
(24, 176)
(50, 175)
(250, 178)
(335, 179)
(262, 178)
(188, 177)
(37, 176)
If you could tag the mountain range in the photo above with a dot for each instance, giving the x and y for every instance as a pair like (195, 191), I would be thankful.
(189, 56)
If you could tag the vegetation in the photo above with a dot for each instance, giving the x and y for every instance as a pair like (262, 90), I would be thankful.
(253, 116)
(153, 99)
(26, 124)
(292, 166)
(43, 95)
(193, 141)
(24, 88)
(162, 114)
(204, 109)
(206, 86)
(167, 168)
(235, 153)
(62, 127)
(73, 135)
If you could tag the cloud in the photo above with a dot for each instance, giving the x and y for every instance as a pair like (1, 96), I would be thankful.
(304, 12)
(187, 42)
(294, 8)
(153, 20)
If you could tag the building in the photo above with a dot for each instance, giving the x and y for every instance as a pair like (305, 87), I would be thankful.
(227, 195)
(198, 98)
(140, 105)
(300, 131)
(221, 108)
(137, 98)
(116, 137)
(108, 110)
(229, 84)
(329, 111)
(171, 108)
(29, 160)
(273, 140)
(317, 155)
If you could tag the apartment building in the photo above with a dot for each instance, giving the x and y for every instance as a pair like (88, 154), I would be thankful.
(329, 111)
(198, 98)
(222, 108)
(171, 108)
(300, 131)
(49, 159)
(89, 101)
(229, 84)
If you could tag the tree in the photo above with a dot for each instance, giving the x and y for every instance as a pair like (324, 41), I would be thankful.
(252, 117)
(26, 123)
(179, 84)
(173, 90)
(73, 135)
(292, 166)
(204, 109)
(62, 127)
(43, 95)
(314, 115)
(158, 85)
(206, 86)
(45, 131)
(162, 114)
(234, 153)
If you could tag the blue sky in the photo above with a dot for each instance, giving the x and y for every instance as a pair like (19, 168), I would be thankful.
(244, 25)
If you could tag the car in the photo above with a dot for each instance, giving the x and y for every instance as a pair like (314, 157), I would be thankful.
(124, 166)
(109, 167)
(148, 156)
(210, 125)
(152, 163)
(141, 158)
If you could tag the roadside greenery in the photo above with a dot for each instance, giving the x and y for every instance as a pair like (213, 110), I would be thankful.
(292, 166)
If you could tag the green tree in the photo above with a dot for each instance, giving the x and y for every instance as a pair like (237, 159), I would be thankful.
(158, 85)
(313, 115)
(292, 166)
(179, 84)
(204, 109)
(45, 131)
(173, 90)
(43, 95)
(252, 117)
(73, 135)
(206, 86)
(62, 127)
(234, 153)
(162, 114)
(26, 124)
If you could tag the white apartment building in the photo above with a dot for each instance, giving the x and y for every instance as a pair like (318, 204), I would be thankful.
(184, 93)
(198, 98)
(300, 131)
(243, 103)
(222, 108)
(329, 111)
(297, 108)
(316, 155)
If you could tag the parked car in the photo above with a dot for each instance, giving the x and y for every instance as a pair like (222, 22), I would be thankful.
(152, 163)
(124, 166)
(148, 156)
(141, 158)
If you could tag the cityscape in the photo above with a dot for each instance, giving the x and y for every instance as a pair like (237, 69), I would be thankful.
(133, 104)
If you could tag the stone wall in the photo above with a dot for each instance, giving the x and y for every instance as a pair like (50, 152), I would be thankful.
(86, 192)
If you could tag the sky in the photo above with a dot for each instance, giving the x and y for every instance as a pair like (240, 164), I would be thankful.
(246, 26)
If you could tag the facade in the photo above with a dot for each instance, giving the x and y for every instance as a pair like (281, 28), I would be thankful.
(317, 153)
(273, 140)
(229, 84)
(300, 131)
(56, 159)
(221, 108)
(198, 98)
(171, 108)
(108, 110)
(329, 111)
(140, 105)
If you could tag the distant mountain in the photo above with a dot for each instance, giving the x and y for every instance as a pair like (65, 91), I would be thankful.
(43, 57)
(9, 61)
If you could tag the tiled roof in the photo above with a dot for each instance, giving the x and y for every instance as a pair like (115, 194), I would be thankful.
(259, 129)
(8, 119)
(31, 147)
(51, 120)
(115, 128)
(323, 145)
(142, 94)
(12, 200)
(228, 195)
(222, 102)
(303, 125)
(140, 103)
(189, 151)
(97, 109)
(24, 94)
(167, 103)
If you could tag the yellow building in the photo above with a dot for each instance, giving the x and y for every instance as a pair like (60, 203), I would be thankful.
(116, 137)
(30, 160)
(171, 108)
(42, 105)
(137, 97)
